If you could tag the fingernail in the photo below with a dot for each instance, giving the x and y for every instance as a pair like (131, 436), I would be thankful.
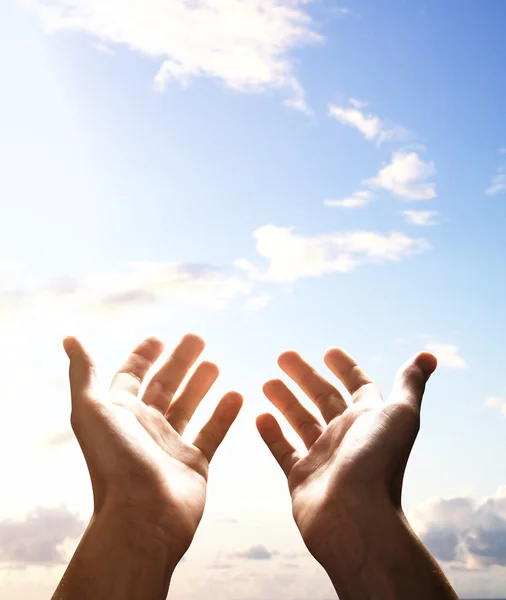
(68, 346)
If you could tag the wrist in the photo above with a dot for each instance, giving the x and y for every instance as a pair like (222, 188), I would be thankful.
(379, 557)
(357, 532)
(145, 531)
(119, 557)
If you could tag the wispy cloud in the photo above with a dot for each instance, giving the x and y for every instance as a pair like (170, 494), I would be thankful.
(447, 355)
(423, 218)
(103, 48)
(358, 104)
(137, 286)
(61, 438)
(406, 177)
(498, 402)
(370, 126)
(291, 256)
(498, 182)
(256, 303)
(358, 199)
(220, 566)
(342, 10)
(245, 44)
(150, 283)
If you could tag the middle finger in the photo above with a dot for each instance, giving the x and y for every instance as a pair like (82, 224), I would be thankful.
(165, 382)
(326, 397)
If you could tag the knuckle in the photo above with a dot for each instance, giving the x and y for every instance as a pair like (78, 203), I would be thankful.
(406, 415)
(412, 374)
(75, 420)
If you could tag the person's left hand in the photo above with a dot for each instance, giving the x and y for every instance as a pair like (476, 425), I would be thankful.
(140, 466)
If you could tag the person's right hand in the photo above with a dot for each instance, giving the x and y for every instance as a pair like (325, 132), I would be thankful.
(142, 471)
(351, 478)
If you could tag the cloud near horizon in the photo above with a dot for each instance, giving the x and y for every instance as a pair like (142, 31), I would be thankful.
(39, 537)
(460, 530)
(257, 552)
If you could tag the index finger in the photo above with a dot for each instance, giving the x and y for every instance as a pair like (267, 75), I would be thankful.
(161, 389)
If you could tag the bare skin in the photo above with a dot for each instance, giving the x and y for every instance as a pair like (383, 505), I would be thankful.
(346, 491)
(149, 485)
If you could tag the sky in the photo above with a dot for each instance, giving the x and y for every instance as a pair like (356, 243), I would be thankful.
(269, 175)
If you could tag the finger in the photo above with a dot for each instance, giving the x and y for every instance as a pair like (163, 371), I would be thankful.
(213, 432)
(284, 453)
(354, 379)
(304, 423)
(81, 370)
(319, 390)
(131, 374)
(409, 384)
(182, 408)
(162, 387)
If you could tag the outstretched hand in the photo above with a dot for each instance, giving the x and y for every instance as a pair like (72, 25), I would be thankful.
(352, 475)
(137, 459)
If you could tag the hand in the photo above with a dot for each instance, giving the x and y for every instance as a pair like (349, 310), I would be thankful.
(138, 462)
(351, 477)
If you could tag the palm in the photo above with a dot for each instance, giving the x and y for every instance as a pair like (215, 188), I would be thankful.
(133, 447)
(363, 450)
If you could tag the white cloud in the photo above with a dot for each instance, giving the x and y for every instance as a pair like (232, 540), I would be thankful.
(369, 125)
(256, 303)
(498, 183)
(103, 48)
(356, 200)
(497, 402)
(291, 256)
(405, 176)
(421, 217)
(246, 44)
(358, 104)
(447, 355)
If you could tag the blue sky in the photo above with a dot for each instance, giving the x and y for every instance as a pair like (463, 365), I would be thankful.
(243, 148)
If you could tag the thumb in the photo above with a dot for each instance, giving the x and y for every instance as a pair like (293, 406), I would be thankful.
(81, 369)
(409, 385)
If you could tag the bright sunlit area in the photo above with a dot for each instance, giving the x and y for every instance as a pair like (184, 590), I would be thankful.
(268, 175)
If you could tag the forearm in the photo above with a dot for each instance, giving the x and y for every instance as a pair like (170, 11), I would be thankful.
(388, 562)
(118, 559)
